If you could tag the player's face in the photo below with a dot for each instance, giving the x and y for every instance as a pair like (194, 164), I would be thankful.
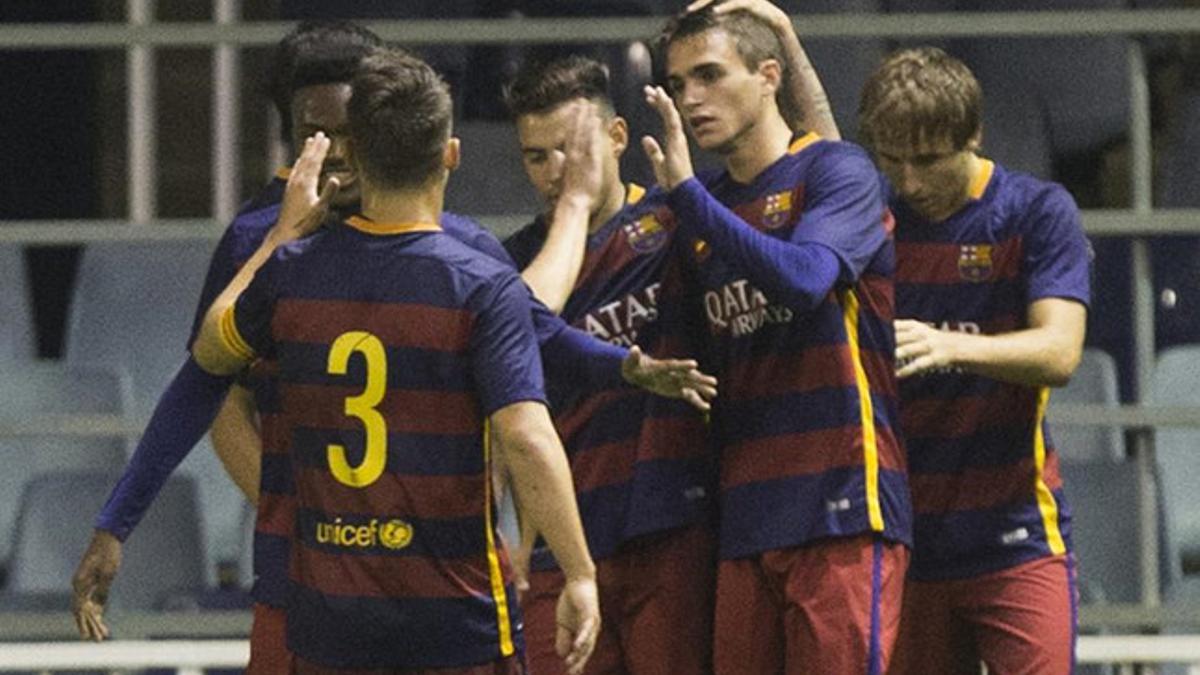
(718, 97)
(931, 175)
(322, 107)
(543, 138)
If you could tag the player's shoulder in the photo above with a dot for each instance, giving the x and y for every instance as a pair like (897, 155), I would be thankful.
(1027, 198)
(258, 214)
(839, 156)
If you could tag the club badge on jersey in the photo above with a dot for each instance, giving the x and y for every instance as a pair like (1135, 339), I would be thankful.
(776, 209)
(975, 262)
(646, 234)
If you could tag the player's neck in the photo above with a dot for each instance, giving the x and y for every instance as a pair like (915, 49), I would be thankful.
(762, 146)
(614, 199)
(418, 205)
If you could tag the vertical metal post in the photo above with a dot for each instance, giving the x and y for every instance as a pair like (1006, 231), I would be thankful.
(141, 129)
(1143, 322)
(226, 75)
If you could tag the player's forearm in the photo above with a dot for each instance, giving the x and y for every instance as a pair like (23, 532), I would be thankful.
(1036, 357)
(552, 273)
(542, 484)
(796, 275)
(184, 412)
(806, 95)
(238, 443)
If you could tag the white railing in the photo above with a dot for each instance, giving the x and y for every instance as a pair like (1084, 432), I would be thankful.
(190, 657)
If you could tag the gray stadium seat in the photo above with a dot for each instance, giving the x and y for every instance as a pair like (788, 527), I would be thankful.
(1095, 383)
(1175, 384)
(1104, 529)
(55, 388)
(54, 527)
(17, 334)
(490, 180)
(133, 307)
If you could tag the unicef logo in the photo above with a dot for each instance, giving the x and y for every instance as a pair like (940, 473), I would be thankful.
(395, 534)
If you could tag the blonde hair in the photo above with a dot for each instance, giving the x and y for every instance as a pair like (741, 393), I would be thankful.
(921, 94)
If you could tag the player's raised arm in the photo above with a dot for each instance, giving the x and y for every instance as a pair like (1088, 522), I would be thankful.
(301, 212)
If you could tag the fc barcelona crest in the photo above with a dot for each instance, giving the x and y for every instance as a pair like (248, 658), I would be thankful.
(645, 234)
(975, 262)
(777, 209)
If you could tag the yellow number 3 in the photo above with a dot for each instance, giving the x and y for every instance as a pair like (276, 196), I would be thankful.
(362, 407)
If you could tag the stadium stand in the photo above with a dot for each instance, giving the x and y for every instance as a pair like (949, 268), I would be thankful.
(1094, 382)
(33, 391)
(54, 525)
(490, 179)
(17, 343)
(1174, 384)
(1104, 497)
(133, 308)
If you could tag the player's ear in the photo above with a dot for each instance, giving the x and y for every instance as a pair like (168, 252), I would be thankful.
(618, 133)
(451, 154)
(772, 74)
(975, 142)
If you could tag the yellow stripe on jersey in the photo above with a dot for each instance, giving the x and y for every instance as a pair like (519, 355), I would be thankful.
(634, 194)
(1045, 498)
(231, 338)
(283, 172)
(803, 142)
(980, 180)
(503, 620)
(866, 411)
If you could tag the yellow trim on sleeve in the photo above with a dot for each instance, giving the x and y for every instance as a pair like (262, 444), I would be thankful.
(803, 142)
(866, 411)
(634, 194)
(503, 620)
(1045, 498)
(283, 172)
(231, 338)
(980, 180)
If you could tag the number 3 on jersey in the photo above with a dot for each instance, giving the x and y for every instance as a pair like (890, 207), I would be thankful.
(363, 407)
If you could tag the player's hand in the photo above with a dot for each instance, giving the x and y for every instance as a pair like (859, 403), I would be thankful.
(91, 582)
(673, 378)
(304, 208)
(764, 10)
(921, 348)
(672, 161)
(582, 169)
(577, 617)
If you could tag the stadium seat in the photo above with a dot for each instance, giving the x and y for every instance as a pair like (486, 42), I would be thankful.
(17, 334)
(54, 526)
(1178, 449)
(1095, 383)
(133, 307)
(55, 388)
(1103, 497)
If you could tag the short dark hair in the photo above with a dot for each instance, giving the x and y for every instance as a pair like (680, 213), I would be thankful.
(753, 38)
(540, 86)
(399, 113)
(919, 93)
(316, 52)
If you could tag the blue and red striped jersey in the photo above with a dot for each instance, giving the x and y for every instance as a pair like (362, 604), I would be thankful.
(987, 494)
(807, 417)
(393, 344)
(640, 462)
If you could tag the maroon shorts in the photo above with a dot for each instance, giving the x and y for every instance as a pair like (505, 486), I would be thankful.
(1018, 620)
(269, 654)
(828, 607)
(655, 605)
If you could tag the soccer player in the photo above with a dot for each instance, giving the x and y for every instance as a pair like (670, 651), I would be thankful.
(602, 253)
(991, 300)
(792, 247)
(386, 319)
(310, 88)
